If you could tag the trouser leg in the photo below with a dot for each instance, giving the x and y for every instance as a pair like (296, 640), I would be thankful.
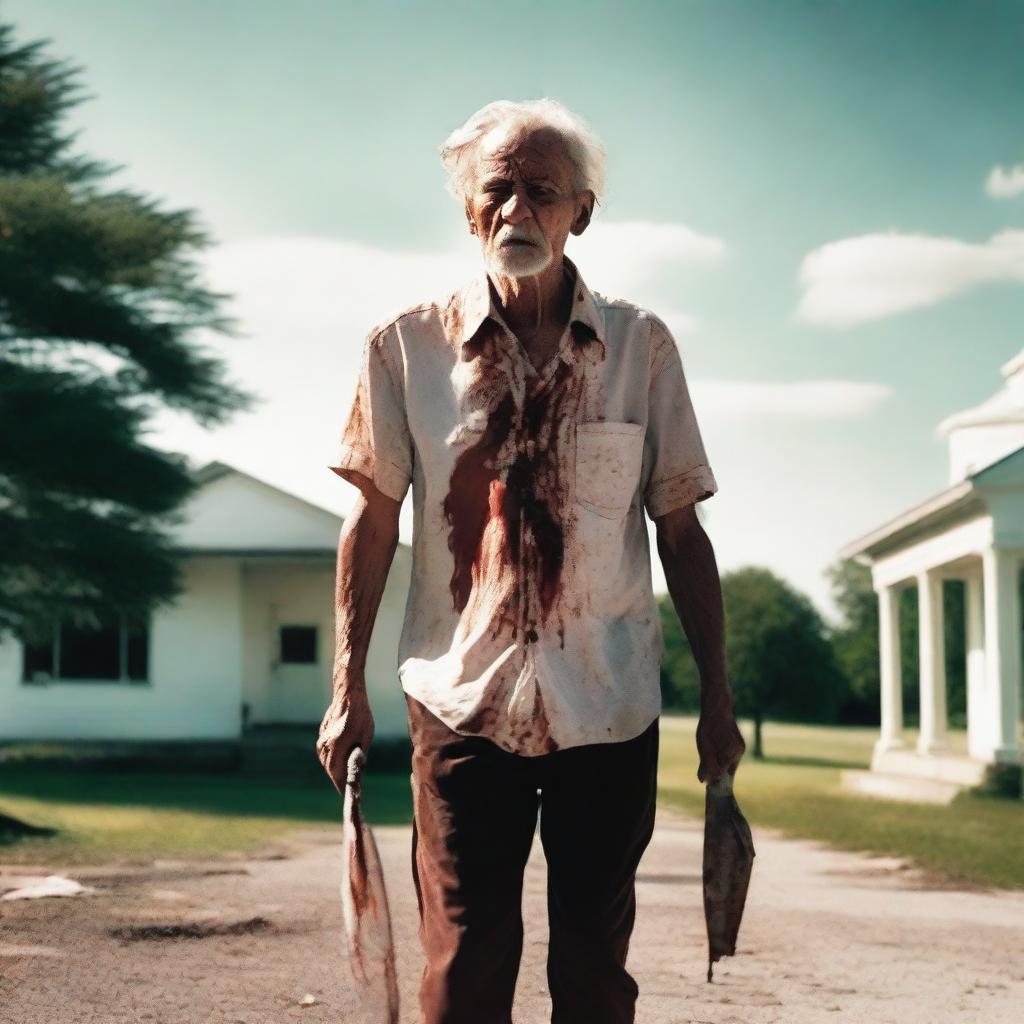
(597, 818)
(475, 812)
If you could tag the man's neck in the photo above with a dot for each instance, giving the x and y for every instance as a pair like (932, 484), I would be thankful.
(532, 304)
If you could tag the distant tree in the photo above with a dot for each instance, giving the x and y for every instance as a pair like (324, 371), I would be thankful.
(954, 608)
(855, 640)
(856, 646)
(780, 658)
(99, 299)
(907, 605)
(680, 683)
(778, 649)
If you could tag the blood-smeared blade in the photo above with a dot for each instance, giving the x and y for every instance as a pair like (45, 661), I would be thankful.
(728, 860)
(364, 904)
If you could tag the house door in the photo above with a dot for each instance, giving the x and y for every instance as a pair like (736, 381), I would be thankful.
(298, 680)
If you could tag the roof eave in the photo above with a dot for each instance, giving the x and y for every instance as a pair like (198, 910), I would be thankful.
(930, 512)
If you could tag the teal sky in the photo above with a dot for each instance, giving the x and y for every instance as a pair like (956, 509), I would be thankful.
(305, 136)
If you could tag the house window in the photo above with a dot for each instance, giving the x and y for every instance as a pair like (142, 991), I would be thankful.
(114, 652)
(298, 645)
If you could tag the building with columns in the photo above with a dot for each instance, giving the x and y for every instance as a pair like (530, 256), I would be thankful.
(972, 531)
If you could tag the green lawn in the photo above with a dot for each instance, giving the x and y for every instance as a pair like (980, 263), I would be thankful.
(136, 815)
(796, 789)
(104, 814)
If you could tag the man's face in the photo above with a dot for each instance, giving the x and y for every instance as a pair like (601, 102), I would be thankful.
(524, 201)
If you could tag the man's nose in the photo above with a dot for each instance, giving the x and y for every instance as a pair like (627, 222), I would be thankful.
(516, 208)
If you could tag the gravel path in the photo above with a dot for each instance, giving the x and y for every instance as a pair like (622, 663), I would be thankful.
(827, 937)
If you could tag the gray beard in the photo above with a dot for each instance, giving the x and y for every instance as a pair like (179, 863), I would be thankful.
(508, 263)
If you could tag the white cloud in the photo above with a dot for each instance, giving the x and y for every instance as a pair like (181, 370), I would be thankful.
(304, 306)
(680, 324)
(643, 261)
(648, 244)
(800, 399)
(1005, 183)
(872, 276)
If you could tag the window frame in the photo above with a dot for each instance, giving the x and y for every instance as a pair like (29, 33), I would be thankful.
(123, 679)
(314, 626)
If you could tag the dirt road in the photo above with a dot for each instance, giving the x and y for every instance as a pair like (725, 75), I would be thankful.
(827, 937)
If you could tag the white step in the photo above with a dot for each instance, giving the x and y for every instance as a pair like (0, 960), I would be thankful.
(964, 771)
(899, 787)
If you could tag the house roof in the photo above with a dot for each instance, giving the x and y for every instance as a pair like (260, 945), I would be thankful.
(947, 508)
(216, 469)
(248, 516)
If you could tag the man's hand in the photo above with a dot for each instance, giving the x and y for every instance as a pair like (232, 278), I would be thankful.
(347, 723)
(719, 742)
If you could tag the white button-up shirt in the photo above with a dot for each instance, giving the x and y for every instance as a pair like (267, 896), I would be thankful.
(531, 619)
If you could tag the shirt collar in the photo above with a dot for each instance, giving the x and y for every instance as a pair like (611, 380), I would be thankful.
(470, 306)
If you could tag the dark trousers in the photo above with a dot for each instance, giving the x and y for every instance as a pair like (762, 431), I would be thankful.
(475, 813)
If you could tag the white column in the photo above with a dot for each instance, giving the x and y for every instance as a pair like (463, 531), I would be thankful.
(891, 737)
(932, 738)
(979, 742)
(1002, 653)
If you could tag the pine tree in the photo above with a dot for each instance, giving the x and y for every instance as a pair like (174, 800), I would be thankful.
(99, 301)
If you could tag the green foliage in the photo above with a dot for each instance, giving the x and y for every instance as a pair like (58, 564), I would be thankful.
(848, 678)
(680, 682)
(855, 640)
(778, 652)
(99, 301)
(954, 610)
(856, 645)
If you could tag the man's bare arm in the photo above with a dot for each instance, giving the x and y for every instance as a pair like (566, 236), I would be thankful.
(696, 591)
(366, 547)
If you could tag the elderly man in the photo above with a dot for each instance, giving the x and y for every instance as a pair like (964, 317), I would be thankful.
(536, 419)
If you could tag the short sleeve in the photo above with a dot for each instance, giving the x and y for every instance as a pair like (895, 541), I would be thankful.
(375, 441)
(675, 464)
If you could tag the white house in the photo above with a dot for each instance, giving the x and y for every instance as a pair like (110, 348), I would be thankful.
(250, 640)
(971, 531)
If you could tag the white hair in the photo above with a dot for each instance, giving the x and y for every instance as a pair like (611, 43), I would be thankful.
(458, 151)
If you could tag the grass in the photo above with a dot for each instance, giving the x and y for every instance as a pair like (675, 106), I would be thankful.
(796, 789)
(106, 814)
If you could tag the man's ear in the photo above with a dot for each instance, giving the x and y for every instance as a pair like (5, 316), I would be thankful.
(469, 218)
(579, 225)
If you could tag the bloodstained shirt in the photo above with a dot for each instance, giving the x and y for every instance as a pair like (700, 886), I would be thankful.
(531, 618)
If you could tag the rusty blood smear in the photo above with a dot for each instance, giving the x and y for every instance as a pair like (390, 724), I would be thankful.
(364, 904)
(508, 509)
(507, 497)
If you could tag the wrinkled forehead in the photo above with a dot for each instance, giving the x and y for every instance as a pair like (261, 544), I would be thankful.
(514, 152)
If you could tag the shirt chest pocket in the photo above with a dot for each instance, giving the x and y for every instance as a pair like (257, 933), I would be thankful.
(608, 461)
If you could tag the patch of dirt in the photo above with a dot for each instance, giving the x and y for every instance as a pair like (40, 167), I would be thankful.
(904, 875)
(188, 929)
(826, 935)
(118, 877)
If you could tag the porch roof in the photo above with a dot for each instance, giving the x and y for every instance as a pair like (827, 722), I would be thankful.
(940, 512)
